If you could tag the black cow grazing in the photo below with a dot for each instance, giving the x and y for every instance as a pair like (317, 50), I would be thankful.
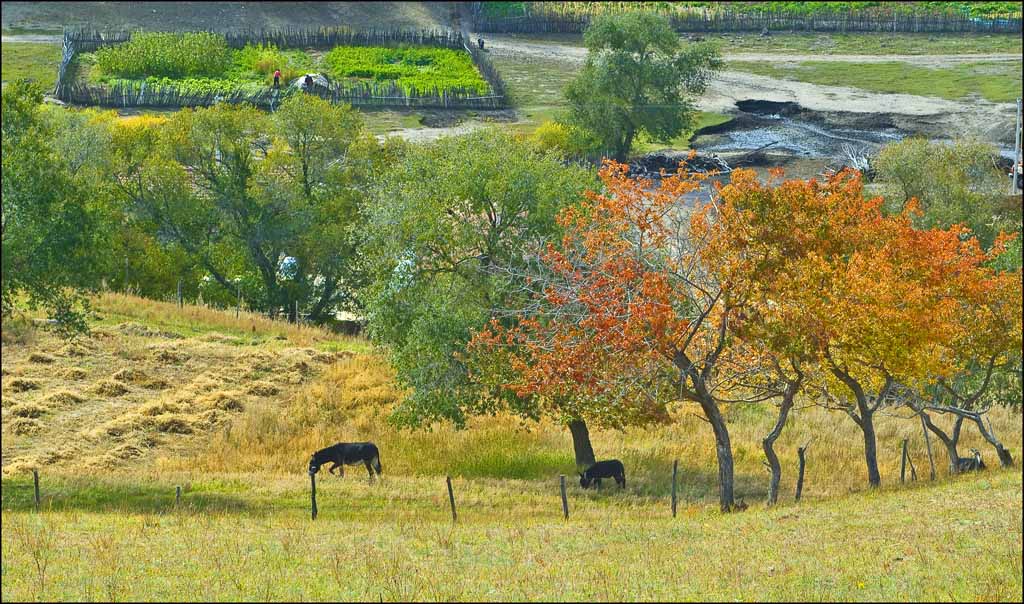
(610, 468)
(970, 464)
(343, 454)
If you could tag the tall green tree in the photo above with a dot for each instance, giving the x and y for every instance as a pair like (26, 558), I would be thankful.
(638, 78)
(53, 240)
(268, 206)
(449, 231)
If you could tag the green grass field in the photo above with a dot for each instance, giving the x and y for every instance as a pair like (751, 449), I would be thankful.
(109, 528)
(998, 82)
(246, 538)
(36, 61)
(870, 44)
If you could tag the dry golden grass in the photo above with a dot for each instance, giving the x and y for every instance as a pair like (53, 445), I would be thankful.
(166, 319)
(351, 400)
(21, 385)
(64, 397)
(128, 410)
(108, 388)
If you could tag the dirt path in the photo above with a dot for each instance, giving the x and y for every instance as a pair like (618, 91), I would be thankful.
(32, 39)
(420, 135)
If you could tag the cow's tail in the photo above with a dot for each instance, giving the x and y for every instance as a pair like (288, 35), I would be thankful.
(376, 463)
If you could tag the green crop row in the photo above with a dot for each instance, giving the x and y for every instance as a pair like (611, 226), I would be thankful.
(411, 69)
(167, 55)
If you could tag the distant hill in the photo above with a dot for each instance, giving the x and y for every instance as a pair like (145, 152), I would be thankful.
(51, 17)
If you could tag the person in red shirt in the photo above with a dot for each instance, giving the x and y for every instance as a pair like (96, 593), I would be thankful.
(277, 78)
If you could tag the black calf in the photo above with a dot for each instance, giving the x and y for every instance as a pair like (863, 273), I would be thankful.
(611, 468)
(970, 464)
(343, 454)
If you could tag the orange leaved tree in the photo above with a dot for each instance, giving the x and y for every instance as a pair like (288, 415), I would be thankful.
(626, 313)
(871, 300)
(984, 346)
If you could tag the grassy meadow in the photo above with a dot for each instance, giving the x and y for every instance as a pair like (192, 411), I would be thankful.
(999, 82)
(31, 60)
(230, 409)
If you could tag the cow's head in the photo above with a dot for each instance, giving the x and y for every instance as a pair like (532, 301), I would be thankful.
(314, 465)
(584, 481)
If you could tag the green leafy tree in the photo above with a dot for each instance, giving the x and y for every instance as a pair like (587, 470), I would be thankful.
(956, 183)
(638, 78)
(267, 206)
(53, 240)
(448, 228)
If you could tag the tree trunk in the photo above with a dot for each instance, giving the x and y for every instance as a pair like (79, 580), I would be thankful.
(948, 441)
(769, 451)
(581, 446)
(1005, 459)
(723, 449)
(867, 426)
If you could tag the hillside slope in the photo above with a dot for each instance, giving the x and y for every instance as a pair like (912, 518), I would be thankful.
(26, 17)
(149, 377)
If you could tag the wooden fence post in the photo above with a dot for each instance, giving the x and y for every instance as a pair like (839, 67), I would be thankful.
(177, 495)
(35, 483)
(238, 309)
(903, 463)
(565, 502)
(800, 476)
(675, 470)
(312, 493)
(451, 499)
(181, 301)
(928, 443)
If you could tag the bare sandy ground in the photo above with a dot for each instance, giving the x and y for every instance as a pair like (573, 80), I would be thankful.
(976, 117)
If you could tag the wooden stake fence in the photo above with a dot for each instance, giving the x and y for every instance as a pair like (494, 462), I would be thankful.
(551, 19)
(675, 470)
(928, 444)
(565, 501)
(312, 493)
(451, 500)
(801, 452)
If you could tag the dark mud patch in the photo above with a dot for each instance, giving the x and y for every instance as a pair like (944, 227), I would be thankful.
(788, 128)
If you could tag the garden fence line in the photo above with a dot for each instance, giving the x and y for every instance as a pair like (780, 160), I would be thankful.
(550, 20)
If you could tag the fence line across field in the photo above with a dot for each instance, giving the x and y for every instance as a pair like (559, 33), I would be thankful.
(176, 503)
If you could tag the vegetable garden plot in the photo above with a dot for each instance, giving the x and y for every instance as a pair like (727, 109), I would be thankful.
(199, 68)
